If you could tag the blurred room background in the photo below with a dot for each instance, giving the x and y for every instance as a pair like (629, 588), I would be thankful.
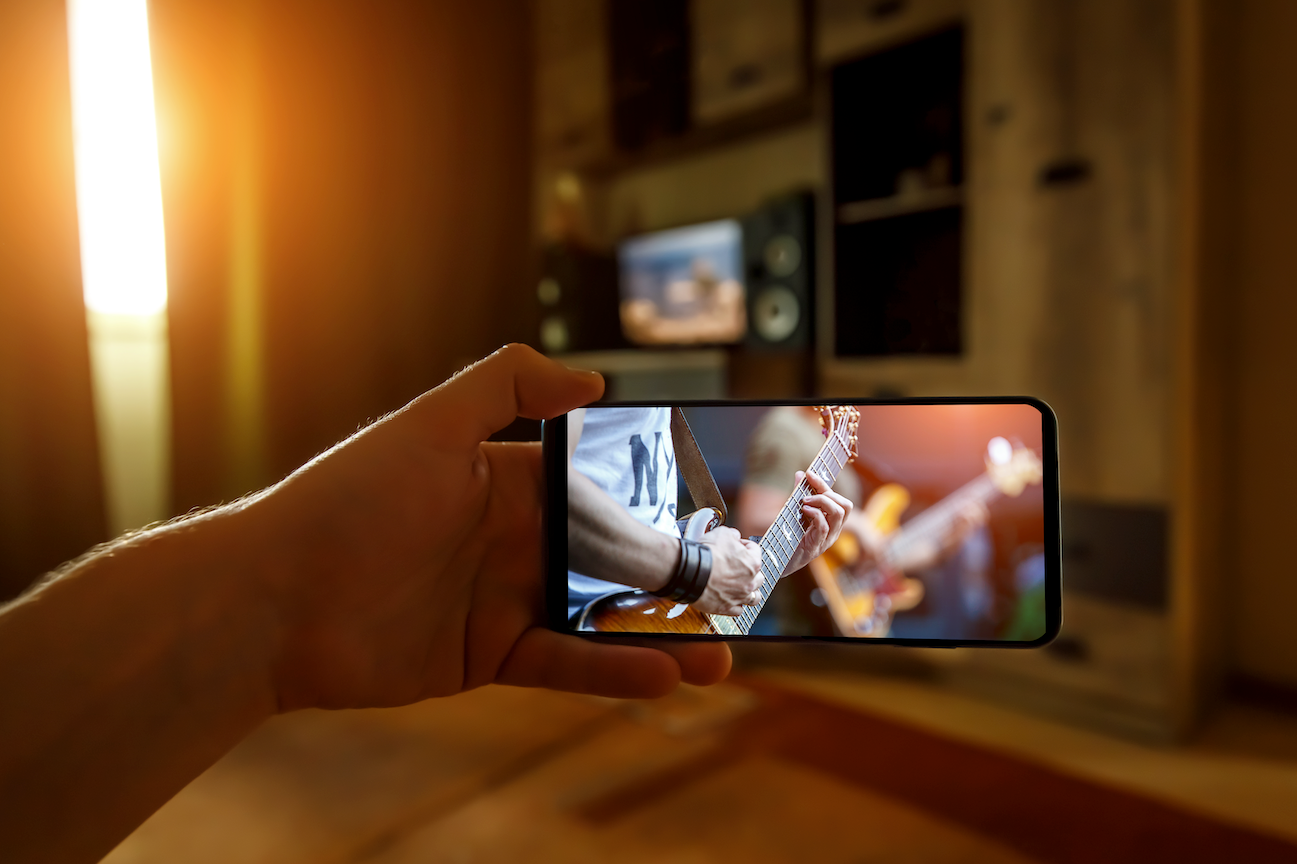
(1086, 201)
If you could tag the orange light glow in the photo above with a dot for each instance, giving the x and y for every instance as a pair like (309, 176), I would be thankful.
(119, 194)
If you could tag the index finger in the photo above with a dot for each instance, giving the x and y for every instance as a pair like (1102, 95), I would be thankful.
(817, 482)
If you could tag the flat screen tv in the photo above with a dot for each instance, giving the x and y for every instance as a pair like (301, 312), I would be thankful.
(684, 286)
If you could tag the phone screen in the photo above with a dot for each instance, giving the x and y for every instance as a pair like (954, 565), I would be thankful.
(926, 522)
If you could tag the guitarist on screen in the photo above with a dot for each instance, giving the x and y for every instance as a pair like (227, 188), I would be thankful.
(950, 571)
(622, 520)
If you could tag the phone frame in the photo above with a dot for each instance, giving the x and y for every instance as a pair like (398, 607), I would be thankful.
(554, 531)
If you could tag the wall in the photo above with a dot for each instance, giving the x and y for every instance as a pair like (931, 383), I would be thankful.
(715, 184)
(346, 194)
(347, 198)
(51, 505)
(1261, 584)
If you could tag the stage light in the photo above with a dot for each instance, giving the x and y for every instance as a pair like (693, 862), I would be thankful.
(123, 256)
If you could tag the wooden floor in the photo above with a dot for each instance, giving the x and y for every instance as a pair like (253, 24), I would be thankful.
(773, 767)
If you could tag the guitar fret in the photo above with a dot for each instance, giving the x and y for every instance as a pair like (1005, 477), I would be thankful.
(781, 560)
(792, 541)
(786, 533)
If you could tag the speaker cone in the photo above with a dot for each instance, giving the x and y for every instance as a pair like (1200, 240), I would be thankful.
(783, 255)
(775, 313)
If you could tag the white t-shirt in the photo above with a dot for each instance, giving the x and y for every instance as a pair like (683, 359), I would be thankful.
(629, 454)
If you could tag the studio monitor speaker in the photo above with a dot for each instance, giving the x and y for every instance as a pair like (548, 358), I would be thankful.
(779, 260)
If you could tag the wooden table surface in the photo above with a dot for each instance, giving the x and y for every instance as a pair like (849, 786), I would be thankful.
(505, 774)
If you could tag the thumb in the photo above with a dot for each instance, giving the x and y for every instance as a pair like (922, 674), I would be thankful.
(515, 381)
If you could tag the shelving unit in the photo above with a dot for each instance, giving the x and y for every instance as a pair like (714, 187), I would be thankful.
(897, 140)
(921, 201)
(662, 374)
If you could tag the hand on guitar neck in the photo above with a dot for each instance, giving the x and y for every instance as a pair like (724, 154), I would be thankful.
(824, 515)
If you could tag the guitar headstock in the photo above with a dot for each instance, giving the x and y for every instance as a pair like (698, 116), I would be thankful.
(1012, 467)
(841, 421)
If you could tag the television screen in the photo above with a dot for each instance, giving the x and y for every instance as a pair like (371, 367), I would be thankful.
(684, 286)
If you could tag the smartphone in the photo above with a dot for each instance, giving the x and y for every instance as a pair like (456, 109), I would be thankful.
(952, 537)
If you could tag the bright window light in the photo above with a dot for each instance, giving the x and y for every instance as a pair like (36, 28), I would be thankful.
(119, 194)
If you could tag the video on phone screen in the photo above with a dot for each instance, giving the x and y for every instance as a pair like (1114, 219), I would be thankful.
(944, 538)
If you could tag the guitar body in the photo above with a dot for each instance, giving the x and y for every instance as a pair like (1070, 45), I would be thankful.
(641, 612)
(851, 592)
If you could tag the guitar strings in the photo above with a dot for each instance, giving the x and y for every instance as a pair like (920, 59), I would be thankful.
(826, 472)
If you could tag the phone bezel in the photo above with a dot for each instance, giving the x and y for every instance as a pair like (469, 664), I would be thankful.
(554, 531)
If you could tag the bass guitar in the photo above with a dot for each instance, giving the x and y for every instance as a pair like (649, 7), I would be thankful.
(638, 611)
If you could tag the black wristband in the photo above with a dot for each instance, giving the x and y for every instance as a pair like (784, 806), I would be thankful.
(693, 571)
(701, 575)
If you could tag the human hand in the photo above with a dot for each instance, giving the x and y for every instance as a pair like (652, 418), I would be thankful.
(736, 573)
(406, 563)
(823, 514)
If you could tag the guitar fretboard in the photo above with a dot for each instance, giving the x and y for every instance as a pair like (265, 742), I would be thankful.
(786, 533)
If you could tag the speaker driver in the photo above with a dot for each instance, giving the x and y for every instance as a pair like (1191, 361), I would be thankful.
(783, 255)
(775, 313)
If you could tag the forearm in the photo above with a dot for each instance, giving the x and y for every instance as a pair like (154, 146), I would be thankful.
(123, 680)
(606, 542)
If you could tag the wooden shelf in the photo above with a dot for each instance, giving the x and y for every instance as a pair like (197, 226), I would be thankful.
(900, 205)
(632, 360)
(790, 112)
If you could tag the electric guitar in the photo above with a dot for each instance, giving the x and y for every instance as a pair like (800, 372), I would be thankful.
(864, 594)
(638, 611)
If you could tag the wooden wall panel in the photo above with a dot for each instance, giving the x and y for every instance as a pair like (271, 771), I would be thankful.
(1262, 586)
(347, 213)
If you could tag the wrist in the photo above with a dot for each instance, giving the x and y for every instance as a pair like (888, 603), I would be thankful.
(211, 568)
(662, 563)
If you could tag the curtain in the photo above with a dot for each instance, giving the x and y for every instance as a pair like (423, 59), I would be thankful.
(346, 190)
(51, 501)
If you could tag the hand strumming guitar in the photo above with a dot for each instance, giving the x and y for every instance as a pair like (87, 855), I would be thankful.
(604, 539)
(736, 573)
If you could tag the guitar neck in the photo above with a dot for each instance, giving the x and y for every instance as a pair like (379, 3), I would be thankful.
(785, 535)
(932, 524)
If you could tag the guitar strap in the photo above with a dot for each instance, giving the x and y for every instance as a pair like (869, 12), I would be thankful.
(693, 467)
